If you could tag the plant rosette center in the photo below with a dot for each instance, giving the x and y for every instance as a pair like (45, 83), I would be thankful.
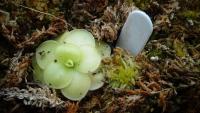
(68, 62)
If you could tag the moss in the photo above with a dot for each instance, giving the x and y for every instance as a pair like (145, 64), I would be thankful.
(142, 4)
(122, 71)
(129, 2)
(189, 14)
(122, 77)
(156, 52)
(179, 48)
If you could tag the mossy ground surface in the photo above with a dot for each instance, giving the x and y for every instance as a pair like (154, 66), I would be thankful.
(168, 80)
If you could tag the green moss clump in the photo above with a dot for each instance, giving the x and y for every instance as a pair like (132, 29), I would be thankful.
(179, 48)
(156, 52)
(189, 14)
(122, 71)
(142, 4)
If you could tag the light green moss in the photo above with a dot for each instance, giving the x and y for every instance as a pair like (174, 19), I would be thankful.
(122, 71)
(189, 14)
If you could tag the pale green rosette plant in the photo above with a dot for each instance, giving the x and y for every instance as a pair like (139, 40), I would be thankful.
(68, 63)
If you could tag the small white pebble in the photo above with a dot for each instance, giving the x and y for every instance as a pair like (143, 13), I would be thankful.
(154, 58)
(172, 16)
(190, 22)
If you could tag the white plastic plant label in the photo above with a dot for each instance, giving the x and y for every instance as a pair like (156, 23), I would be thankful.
(135, 32)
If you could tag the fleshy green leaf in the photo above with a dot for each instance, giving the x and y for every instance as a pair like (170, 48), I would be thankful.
(78, 87)
(45, 53)
(96, 81)
(61, 38)
(58, 76)
(91, 60)
(79, 37)
(37, 71)
(103, 48)
(67, 53)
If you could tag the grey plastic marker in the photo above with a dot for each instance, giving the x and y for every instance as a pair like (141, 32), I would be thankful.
(135, 32)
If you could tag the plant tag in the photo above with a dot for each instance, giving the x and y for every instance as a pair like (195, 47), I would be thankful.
(135, 32)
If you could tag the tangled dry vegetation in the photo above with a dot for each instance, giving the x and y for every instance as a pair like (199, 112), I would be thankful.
(169, 78)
